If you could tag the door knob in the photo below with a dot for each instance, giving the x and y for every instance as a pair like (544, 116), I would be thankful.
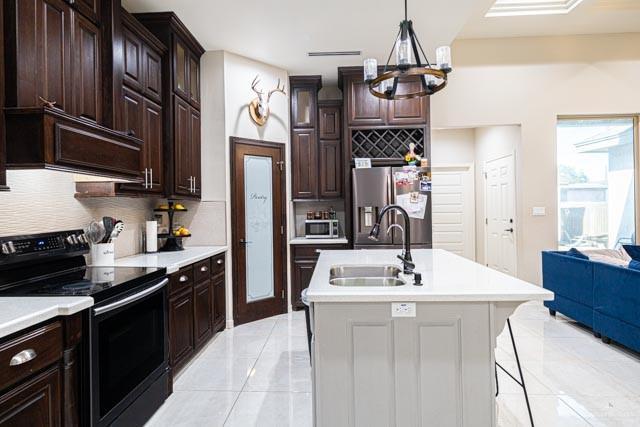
(244, 242)
(510, 230)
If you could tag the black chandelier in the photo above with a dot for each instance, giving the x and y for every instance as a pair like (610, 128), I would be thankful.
(433, 77)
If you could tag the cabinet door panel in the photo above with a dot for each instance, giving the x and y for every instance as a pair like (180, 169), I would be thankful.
(133, 113)
(87, 75)
(202, 310)
(330, 123)
(194, 81)
(180, 68)
(219, 303)
(153, 144)
(89, 8)
(181, 327)
(35, 403)
(44, 29)
(182, 147)
(194, 138)
(330, 166)
(133, 73)
(408, 111)
(152, 67)
(365, 108)
(304, 164)
(302, 272)
(303, 107)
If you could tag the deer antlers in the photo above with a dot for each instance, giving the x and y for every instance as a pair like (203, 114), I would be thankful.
(277, 89)
(254, 84)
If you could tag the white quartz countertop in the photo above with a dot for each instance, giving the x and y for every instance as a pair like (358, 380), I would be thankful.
(172, 261)
(17, 313)
(305, 241)
(445, 277)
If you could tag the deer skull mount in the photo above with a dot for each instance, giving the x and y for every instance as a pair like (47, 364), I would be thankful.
(259, 107)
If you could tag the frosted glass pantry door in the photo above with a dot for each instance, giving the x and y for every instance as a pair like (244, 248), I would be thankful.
(258, 201)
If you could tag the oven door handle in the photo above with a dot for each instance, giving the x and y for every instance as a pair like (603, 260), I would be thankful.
(129, 299)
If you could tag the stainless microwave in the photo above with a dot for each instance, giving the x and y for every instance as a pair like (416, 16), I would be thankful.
(321, 229)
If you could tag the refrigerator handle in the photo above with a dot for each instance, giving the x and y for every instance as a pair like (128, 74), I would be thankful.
(390, 200)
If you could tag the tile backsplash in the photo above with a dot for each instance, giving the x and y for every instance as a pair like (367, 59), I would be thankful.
(43, 200)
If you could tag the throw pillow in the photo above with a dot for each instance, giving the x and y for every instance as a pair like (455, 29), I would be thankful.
(576, 254)
(633, 251)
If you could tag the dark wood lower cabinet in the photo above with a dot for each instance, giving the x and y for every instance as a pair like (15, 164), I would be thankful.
(42, 391)
(181, 328)
(202, 312)
(36, 403)
(196, 308)
(303, 262)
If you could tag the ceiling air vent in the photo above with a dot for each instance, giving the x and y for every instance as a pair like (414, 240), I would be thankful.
(531, 7)
(336, 53)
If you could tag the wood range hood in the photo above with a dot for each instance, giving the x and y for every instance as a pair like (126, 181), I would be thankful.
(46, 137)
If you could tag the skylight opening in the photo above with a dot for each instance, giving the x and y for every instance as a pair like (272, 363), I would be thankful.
(531, 7)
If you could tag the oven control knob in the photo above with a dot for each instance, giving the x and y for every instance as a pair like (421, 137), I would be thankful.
(8, 248)
(72, 239)
(5, 249)
(82, 239)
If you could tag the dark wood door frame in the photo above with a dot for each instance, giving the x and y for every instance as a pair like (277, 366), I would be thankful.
(235, 232)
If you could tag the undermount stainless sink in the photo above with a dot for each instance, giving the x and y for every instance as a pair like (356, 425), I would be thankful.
(366, 281)
(365, 275)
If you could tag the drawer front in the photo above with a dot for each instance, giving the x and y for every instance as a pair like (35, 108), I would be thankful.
(29, 353)
(217, 264)
(181, 280)
(313, 251)
(202, 270)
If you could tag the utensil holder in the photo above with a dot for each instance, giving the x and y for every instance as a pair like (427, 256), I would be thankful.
(103, 254)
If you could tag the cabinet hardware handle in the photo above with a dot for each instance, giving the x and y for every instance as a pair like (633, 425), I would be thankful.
(131, 132)
(151, 178)
(194, 184)
(144, 185)
(219, 261)
(183, 278)
(23, 357)
(204, 268)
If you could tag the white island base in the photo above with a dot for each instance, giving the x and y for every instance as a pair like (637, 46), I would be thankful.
(435, 368)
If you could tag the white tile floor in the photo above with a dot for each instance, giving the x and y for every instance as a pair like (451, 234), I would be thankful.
(258, 375)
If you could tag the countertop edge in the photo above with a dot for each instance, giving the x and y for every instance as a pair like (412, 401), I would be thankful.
(138, 259)
(33, 318)
(427, 298)
(305, 241)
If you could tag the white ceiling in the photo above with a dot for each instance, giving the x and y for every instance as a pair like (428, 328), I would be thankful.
(588, 17)
(281, 32)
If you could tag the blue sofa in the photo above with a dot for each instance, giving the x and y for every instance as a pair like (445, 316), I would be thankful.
(604, 297)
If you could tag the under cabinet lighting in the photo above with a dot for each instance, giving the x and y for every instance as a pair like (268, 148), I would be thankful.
(531, 7)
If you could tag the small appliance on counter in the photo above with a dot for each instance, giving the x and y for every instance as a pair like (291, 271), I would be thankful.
(128, 322)
(174, 234)
(321, 229)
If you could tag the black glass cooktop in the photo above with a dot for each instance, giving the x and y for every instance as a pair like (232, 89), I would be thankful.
(99, 283)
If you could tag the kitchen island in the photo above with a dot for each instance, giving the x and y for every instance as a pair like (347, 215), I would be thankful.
(408, 355)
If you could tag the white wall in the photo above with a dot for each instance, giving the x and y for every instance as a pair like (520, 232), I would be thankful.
(530, 81)
(226, 94)
(452, 146)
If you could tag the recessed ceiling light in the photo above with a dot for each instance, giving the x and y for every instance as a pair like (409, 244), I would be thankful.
(531, 7)
(337, 53)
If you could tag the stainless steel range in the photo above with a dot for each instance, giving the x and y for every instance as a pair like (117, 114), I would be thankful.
(125, 346)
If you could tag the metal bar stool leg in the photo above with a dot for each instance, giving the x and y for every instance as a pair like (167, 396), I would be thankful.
(519, 382)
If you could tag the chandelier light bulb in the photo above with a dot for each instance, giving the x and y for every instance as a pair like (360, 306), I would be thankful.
(370, 69)
(403, 51)
(443, 57)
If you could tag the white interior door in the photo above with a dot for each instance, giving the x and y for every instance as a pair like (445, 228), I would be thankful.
(500, 208)
(453, 208)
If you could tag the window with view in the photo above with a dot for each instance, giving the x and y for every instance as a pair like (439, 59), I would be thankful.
(596, 182)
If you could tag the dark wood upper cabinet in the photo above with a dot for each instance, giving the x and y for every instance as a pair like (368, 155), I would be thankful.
(133, 60)
(181, 84)
(181, 68)
(133, 113)
(330, 168)
(364, 109)
(330, 122)
(89, 8)
(194, 80)
(408, 111)
(153, 132)
(87, 72)
(38, 53)
(304, 104)
(304, 153)
(152, 68)
(182, 148)
(194, 140)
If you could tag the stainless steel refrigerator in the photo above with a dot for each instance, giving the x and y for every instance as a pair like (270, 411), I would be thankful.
(376, 187)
